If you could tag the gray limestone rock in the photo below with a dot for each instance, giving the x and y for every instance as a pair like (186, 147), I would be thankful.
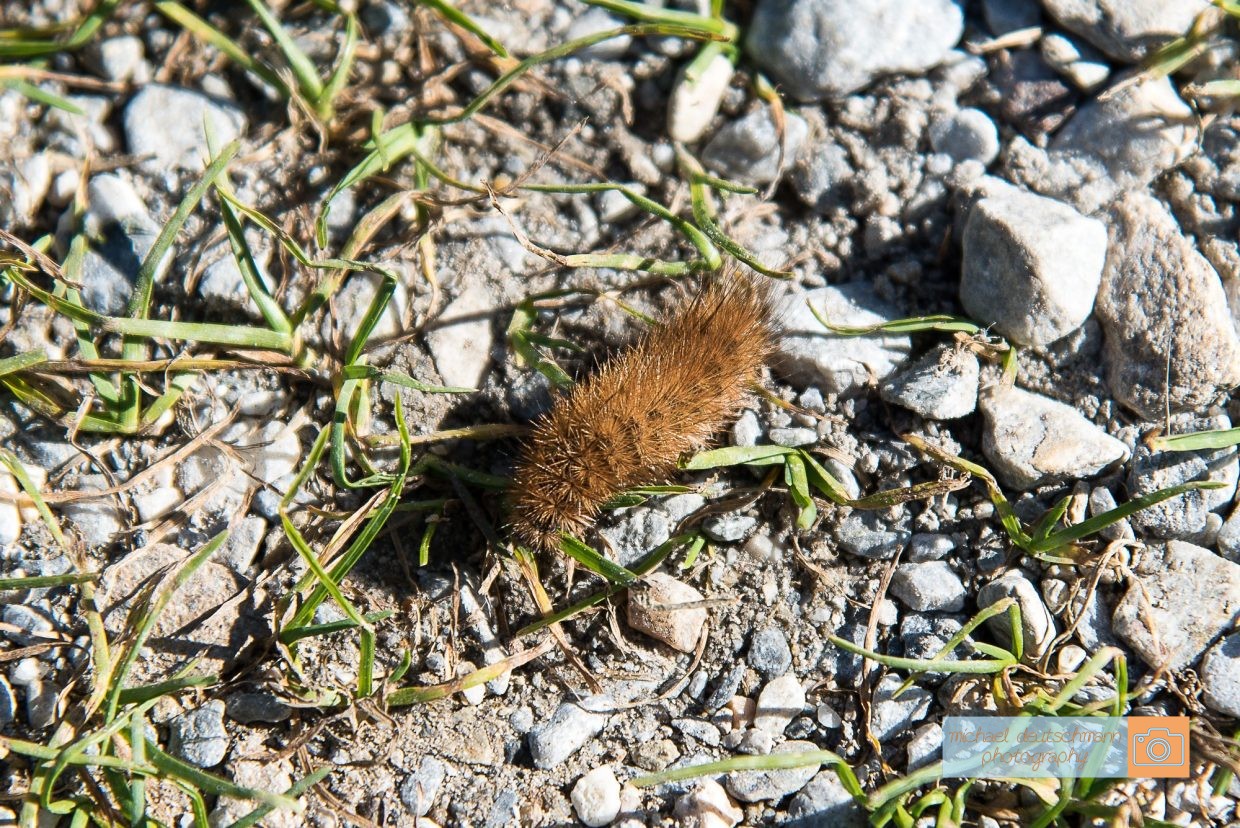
(1032, 439)
(1031, 266)
(1170, 340)
(1189, 595)
(1128, 30)
(820, 49)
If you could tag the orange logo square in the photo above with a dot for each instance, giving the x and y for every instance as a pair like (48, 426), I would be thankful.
(1158, 747)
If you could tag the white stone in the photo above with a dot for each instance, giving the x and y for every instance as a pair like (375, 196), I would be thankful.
(781, 701)
(654, 611)
(596, 797)
(695, 100)
(1031, 439)
(460, 339)
(1031, 266)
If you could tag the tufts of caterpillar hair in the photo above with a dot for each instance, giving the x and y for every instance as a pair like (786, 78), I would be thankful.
(629, 423)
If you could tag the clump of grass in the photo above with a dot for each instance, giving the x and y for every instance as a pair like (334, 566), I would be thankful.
(1209, 31)
(103, 742)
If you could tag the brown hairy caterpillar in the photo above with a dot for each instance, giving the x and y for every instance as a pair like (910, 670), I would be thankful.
(629, 422)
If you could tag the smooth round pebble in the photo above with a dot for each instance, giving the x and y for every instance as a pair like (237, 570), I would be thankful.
(596, 797)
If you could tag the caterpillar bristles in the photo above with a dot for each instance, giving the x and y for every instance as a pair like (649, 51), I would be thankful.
(627, 424)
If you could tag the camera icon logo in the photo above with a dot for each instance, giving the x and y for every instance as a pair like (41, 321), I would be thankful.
(1158, 746)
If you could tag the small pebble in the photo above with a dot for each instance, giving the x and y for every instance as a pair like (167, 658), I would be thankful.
(891, 714)
(793, 437)
(26, 671)
(828, 718)
(769, 653)
(596, 797)
(725, 689)
(656, 611)
(966, 135)
(570, 727)
(929, 547)
(707, 806)
(779, 703)
(729, 528)
(928, 587)
(695, 101)
(746, 430)
(198, 736)
(249, 708)
(420, 788)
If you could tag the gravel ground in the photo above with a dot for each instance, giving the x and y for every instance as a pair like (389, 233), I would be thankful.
(1002, 160)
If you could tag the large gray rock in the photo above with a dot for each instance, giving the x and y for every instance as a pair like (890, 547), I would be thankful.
(818, 49)
(1190, 597)
(809, 354)
(1169, 336)
(1030, 439)
(1031, 266)
(1113, 144)
(169, 124)
(1129, 29)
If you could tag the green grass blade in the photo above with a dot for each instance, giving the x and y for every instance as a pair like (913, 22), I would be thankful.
(172, 767)
(798, 488)
(40, 95)
(596, 563)
(733, 456)
(913, 324)
(1198, 440)
(1097, 523)
(271, 311)
(151, 614)
(770, 761)
(46, 581)
(340, 77)
(824, 481)
(368, 372)
(303, 68)
(140, 301)
(452, 14)
(649, 13)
